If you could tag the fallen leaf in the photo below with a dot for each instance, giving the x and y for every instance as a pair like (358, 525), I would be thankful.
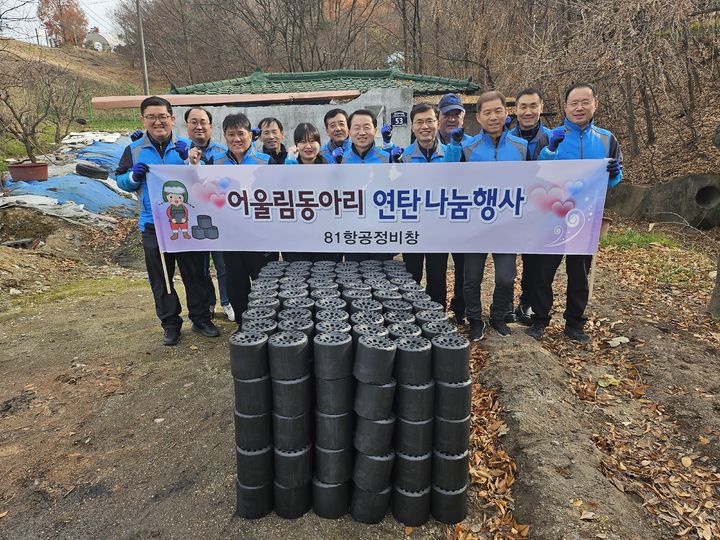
(704, 440)
(577, 502)
(408, 531)
(159, 420)
(3, 514)
(588, 516)
(686, 461)
(617, 341)
(193, 347)
(607, 380)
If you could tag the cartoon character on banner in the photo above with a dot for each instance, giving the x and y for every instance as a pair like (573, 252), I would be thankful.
(176, 195)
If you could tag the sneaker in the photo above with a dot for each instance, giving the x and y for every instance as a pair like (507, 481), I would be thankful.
(171, 336)
(206, 328)
(477, 329)
(229, 313)
(577, 335)
(500, 327)
(536, 331)
(522, 314)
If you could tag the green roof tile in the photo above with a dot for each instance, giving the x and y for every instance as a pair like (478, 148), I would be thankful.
(260, 82)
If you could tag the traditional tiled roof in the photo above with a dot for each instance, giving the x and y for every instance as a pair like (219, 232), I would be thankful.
(260, 82)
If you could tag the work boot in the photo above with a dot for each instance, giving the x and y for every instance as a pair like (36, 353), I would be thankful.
(477, 329)
(186, 236)
(206, 328)
(174, 236)
(500, 326)
(522, 314)
(577, 335)
(171, 336)
(536, 331)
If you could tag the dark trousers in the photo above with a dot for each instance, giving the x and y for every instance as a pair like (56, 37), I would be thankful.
(240, 268)
(457, 304)
(436, 268)
(192, 271)
(357, 257)
(526, 281)
(544, 268)
(504, 282)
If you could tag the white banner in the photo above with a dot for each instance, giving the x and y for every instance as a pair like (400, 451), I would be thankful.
(494, 207)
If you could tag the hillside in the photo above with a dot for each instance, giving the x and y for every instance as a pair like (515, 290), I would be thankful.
(106, 69)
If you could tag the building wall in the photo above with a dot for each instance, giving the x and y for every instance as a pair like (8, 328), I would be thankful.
(381, 101)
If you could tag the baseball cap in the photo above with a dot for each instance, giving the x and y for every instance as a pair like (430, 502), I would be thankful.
(450, 102)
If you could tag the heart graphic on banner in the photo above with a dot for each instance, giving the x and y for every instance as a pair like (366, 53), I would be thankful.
(561, 209)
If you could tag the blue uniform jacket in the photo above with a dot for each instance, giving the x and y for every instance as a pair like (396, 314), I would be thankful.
(327, 149)
(143, 151)
(590, 142)
(414, 154)
(214, 150)
(482, 148)
(537, 143)
(373, 155)
(251, 157)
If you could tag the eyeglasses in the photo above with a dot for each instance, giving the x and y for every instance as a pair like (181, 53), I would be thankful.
(427, 122)
(156, 117)
(201, 123)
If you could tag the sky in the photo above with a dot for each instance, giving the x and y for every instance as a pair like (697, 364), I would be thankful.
(98, 13)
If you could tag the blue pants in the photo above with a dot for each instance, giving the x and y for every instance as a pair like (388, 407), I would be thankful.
(504, 281)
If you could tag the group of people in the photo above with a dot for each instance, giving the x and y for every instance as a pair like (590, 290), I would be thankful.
(437, 136)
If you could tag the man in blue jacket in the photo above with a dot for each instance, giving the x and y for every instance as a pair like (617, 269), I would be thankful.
(336, 126)
(493, 143)
(528, 110)
(452, 116)
(577, 138)
(363, 128)
(198, 122)
(241, 266)
(160, 146)
(427, 148)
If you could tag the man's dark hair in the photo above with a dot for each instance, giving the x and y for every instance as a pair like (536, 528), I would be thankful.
(155, 100)
(306, 132)
(332, 113)
(575, 86)
(490, 96)
(270, 120)
(191, 109)
(362, 112)
(529, 91)
(423, 107)
(236, 121)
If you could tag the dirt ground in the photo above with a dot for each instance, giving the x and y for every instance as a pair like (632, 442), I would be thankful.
(105, 432)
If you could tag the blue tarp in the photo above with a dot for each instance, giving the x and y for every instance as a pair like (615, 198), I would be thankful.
(96, 196)
(106, 155)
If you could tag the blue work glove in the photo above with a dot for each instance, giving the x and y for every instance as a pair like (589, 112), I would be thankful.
(558, 136)
(386, 132)
(457, 135)
(181, 147)
(338, 154)
(614, 168)
(135, 135)
(255, 133)
(396, 154)
(139, 172)
(508, 121)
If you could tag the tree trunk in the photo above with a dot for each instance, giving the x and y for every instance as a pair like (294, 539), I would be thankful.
(649, 127)
(630, 111)
(714, 307)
